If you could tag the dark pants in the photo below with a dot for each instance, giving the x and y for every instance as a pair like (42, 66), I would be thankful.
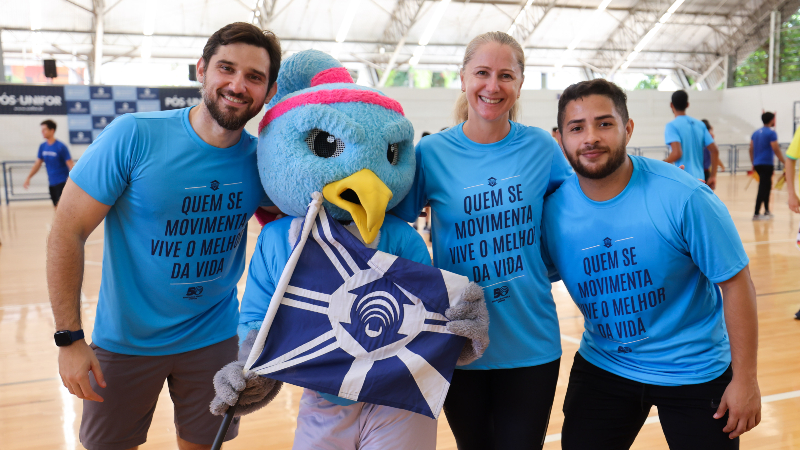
(606, 411)
(764, 186)
(504, 409)
(55, 192)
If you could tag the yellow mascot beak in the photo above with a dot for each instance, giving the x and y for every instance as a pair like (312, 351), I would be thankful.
(365, 197)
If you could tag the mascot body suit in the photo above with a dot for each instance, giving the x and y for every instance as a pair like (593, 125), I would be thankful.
(324, 134)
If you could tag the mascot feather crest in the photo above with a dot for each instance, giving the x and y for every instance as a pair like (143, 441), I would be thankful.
(324, 133)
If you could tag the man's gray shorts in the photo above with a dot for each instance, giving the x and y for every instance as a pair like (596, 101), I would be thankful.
(134, 383)
(322, 425)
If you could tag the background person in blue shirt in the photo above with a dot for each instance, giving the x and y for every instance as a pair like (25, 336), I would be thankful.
(485, 180)
(687, 137)
(55, 156)
(707, 155)
(176, 190)
(642, 247)
(763, 145)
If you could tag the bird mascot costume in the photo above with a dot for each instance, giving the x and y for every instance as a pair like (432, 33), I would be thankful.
(346, 152)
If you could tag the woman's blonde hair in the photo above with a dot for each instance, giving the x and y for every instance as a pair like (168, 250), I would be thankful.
(461, 110)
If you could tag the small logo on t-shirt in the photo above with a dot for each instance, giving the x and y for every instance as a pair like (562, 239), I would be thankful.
(492, 181)
(214, 185)
(607, 242)
(622, 349)
(194, 292)
(500, 294)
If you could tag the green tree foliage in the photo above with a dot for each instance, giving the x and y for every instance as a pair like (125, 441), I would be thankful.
(651, 82)
(790, 50)
(754, 70)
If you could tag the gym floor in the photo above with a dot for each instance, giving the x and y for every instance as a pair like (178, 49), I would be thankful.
(37, 412)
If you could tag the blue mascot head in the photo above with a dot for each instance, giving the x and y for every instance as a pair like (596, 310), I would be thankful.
(323, 133)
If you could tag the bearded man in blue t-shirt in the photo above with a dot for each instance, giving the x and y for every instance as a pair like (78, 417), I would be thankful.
(176, 189)
(643, 249)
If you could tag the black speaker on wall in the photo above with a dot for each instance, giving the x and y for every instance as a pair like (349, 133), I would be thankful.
(192, 72)
(50, 68)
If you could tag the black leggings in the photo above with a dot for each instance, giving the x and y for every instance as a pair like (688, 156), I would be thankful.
(504, 409)
(605, 411)
(764, 186)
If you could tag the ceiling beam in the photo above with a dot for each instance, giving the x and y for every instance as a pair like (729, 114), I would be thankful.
(528, 18)
(404, 16)
(652, 7)
(371, 44)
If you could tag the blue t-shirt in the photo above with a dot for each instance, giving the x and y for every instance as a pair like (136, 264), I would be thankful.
(272, 252)
(706, 158)
(55, 159)
(176, 233)
(762, 146)
(486, 202)
(693, 136)
(641, 267)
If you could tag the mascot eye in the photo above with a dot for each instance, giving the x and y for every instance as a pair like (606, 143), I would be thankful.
(393, 153)
(324, 144)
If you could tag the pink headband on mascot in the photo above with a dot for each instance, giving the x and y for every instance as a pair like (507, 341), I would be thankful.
(326, 97)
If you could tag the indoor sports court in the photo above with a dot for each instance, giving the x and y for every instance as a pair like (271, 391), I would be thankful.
(88, 65)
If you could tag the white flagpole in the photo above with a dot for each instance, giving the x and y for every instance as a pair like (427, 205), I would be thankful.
(283, 283)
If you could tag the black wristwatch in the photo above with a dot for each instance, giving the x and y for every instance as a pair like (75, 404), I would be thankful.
(65, 337)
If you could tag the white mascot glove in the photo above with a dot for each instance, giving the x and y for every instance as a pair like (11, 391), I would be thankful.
(470, 319)
(233, 387)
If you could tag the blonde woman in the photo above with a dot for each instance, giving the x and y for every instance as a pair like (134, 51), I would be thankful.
(485, 179)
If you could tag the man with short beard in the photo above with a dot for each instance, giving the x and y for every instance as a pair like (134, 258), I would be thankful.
(176, 190)
(643, 249)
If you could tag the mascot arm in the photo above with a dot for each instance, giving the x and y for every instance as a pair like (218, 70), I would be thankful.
(412, 204)
(233, 386)
(470, 319)
(411, 246)
(249, 391)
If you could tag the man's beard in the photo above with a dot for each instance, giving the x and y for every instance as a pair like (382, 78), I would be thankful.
(227, 119)
(615, 159)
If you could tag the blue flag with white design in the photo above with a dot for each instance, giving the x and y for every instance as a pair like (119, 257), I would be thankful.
(358, 323)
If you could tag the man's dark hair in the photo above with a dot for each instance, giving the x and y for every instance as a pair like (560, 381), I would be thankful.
(49, 124)
(248, 34)
(426, 133)
(767, 117)
(707, 124)
(598, 86)
(680, 100)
